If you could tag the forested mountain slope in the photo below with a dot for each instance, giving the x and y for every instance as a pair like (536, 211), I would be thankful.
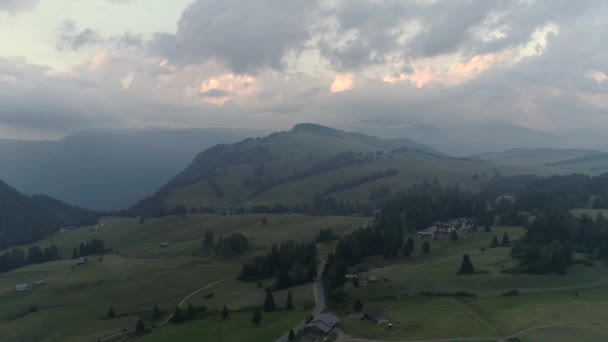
(25, 219)
(106, 169)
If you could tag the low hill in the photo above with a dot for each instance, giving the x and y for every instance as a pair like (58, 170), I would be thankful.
(545, 161)
(311, 165)
(25, 219)
(106, 169)
(467, 139)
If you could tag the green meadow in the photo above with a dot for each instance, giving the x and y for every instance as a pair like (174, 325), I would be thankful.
(139, 274)
(576, 298)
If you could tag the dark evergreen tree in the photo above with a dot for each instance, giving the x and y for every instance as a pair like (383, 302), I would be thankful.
(140, 327)
(356, 282)
(487, 228)
(75, 253)
(208, 240)
(156, 312)
(291, 336)
(178, 315)
(141, 220)
(111, 313)
(289, 303)
(191, 313)
(505, 239)
(225, 312)
(410, 244)
(358, 305)
(407, 250)
(426, 247)
(494, 243)
(256, 318)
(467, 266)
(269, 304)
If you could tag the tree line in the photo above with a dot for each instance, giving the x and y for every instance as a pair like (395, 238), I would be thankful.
(91, 247)
(290, 263)
(35, 255)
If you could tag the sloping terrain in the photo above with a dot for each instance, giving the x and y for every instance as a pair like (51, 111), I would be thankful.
(106, 169)
(546, 161)
(25, 219)
(289, 168)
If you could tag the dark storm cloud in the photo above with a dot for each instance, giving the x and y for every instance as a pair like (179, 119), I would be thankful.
(127, 39)
(215, 93)
(34, 100)
(69, 37)
(245, 35)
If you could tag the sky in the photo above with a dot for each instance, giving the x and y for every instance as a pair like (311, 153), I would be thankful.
(69, 65)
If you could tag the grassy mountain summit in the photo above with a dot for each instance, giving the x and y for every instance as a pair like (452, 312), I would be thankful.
(298, 166)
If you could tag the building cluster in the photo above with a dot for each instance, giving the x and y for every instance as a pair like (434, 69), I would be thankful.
(445, 229)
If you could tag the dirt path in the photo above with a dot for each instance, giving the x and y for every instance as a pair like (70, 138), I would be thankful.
(190, 295)
(317, 288)
(166, 321)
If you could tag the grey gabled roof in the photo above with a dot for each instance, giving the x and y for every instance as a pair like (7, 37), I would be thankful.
(324, 322)
(376, 316)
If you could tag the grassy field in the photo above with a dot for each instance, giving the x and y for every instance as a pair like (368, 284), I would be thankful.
(590, 212)
(140, 274)
(235, 329)
(579, 297)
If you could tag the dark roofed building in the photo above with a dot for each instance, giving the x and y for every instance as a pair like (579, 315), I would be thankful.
(376, 316)
(322, 324)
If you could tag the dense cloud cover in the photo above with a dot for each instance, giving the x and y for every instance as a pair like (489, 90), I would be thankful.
(270, 63)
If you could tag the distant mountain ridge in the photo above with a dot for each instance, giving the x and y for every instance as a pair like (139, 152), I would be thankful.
(470, 139)
(106, 169)
(25, 219)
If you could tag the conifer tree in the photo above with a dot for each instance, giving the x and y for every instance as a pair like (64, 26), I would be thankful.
(467, 266)
(289, 304)
(358, 305)
(505, 239)
(225, 312)
(426, 247)
(140, 327)
(156, 312)
(410, 243)
(256, 318)
(494, 242)
(269, 304)
(111, 313)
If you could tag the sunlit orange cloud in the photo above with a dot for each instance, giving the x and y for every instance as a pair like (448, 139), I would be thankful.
(99, 60)
(342, 83)
(418, 78)
(597, 76)
(453, 75)
(462, 72)
(233, 86)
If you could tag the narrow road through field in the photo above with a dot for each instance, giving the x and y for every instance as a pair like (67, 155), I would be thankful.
(166, 321)
(317, 288)
(192, 294)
